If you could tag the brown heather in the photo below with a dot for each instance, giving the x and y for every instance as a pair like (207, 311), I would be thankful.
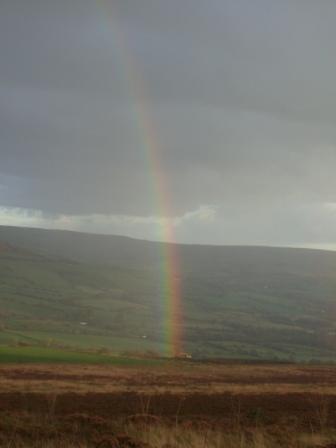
(176, 405)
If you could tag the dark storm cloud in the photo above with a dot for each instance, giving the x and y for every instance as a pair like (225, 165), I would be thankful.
(241, 93)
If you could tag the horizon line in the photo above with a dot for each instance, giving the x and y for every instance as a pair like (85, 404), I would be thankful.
(312, 247)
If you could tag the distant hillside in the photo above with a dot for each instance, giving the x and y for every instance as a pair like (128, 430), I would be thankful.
(125, 251)
(104, 291)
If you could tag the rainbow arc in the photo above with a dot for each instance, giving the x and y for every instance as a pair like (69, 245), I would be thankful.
(148, 137)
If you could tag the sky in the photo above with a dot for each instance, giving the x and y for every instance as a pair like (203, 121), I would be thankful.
(239, 98)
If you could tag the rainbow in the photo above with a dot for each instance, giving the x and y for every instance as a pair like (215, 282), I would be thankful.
(170, 269)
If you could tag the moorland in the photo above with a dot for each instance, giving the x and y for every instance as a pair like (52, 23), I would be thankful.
(104, 293)
(83, 357)
(167, 404)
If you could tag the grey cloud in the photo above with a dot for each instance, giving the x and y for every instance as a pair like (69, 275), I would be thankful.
(241, 96)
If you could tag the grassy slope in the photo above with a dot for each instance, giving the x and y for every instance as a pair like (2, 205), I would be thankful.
(238, 302)
(58, 356)
(46, 300)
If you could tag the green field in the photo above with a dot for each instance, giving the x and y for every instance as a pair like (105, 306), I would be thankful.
(58, 356)
(77, 291)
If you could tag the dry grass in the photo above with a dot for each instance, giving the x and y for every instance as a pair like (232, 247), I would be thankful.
(192, 378)
(181, 405)
(89, 432)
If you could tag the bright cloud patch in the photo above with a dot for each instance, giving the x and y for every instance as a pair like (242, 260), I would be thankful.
(135, 226)
(312, 225)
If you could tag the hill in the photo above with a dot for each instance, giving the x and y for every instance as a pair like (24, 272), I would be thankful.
(84, 290)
